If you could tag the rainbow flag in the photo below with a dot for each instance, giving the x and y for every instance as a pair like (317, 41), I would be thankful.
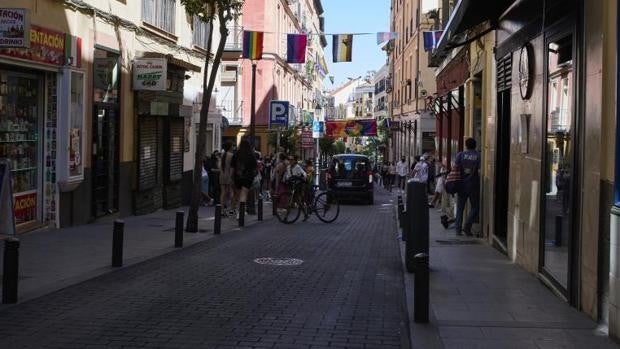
(342, 47)
(252, 45)
(296, 48)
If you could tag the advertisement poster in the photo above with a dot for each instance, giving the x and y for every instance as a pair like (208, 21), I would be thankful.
(25, 207)
(14, 27)
(46, 46)
(307, 142)
(150, 74)
(351, 128)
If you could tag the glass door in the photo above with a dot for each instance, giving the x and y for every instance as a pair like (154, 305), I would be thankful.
(559, 162)
(20, 141)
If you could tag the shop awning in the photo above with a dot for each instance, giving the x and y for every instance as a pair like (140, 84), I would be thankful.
(173, 60)
(467, 14)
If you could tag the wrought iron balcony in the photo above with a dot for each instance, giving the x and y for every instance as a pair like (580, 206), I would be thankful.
(234, 41)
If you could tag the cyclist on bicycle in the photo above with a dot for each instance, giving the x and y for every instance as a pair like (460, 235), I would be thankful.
(296, 177)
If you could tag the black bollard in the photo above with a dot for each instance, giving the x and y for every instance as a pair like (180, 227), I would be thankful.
(421, 288)
(242, 214)
(401, 209)
(274, 204)
(558, 231)
(417, 232)
(217, 221)
(10, 270)
(178, 230)
(117, 243)
(405, 222)
(259, 209)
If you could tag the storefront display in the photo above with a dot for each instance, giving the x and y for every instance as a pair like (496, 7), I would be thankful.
(20, 141)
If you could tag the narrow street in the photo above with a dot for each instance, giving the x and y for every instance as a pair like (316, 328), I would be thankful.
(347, 293)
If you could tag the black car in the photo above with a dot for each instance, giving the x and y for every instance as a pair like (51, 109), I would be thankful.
(350, 177)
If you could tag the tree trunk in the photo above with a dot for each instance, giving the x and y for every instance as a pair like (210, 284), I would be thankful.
(192, 217)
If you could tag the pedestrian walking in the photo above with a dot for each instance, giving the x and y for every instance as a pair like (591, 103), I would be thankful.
(204, 188)
(227, 197)
(214, 176)
(420, 171)
(401, 170)
(244, 170)
(468, 163)
(391, 176)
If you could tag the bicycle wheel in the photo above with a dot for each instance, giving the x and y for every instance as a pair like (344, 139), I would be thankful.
(288, 209)
(327, 207)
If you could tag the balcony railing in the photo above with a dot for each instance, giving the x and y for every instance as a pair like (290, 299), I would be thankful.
(232, 111)
(234, 42)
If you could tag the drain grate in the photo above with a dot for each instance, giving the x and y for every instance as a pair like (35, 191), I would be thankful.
(278, 261)
(457, 242)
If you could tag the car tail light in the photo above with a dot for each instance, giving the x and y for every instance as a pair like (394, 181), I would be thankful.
(369, 176)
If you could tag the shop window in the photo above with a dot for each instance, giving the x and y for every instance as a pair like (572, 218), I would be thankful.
(200, 35)
(159, 13)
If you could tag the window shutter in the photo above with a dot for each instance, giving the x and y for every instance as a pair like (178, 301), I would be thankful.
(148, 11)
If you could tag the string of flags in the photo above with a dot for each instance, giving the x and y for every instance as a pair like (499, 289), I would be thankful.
(342, 46)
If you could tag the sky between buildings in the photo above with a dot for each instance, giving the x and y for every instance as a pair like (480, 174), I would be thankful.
(358, 16)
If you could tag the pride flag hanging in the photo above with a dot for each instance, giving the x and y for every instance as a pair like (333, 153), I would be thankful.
(342, 47)
(431, 39)
(296, 48)
(252, 45)
(386, 36)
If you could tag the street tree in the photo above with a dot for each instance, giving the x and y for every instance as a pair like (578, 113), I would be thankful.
(208, 11)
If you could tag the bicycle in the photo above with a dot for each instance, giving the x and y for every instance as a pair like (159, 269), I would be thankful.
(291, 203)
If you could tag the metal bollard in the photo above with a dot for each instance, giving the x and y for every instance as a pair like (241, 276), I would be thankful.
(259, 209)
(10, 272)
(242, 214)
(421, 288)
(417, 240)
(117, 243)
(274, 204)
(217, 221)
(178, 229)
(558, 231)
(401, 209)
(405, 222)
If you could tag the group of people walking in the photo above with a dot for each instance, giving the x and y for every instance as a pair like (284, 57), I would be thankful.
(461, 184)
(235, 175)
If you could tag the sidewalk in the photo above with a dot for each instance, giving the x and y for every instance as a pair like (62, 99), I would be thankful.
(51, 259)
(479, 299)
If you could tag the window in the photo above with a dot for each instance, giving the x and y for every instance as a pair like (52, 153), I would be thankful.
(159, 13)
(201, 33)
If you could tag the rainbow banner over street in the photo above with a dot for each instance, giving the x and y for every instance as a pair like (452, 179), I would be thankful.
(252, 45)
(351, 128)
(296, 48)
(342, 47)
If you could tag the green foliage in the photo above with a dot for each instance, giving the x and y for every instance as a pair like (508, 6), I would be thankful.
(340, 147)
(289, 140)
(327, 146)
(207, 10)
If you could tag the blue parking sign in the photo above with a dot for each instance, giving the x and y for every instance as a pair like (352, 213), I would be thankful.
(278, 113)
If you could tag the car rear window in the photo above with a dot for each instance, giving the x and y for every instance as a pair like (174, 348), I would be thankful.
(350, 167)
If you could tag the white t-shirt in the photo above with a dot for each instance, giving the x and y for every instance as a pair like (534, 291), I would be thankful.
(401, 168)
(421, 172)
(439, 187)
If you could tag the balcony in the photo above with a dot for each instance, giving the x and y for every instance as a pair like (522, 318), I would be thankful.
(232, 111)
(234, 43)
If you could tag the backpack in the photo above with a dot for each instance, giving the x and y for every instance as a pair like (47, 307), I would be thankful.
(454, 181)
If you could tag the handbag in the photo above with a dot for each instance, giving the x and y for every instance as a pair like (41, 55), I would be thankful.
(454, 182)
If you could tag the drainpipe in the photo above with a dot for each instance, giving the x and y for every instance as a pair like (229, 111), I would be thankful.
(614, 248)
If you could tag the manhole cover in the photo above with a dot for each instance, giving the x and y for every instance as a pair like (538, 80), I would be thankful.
(457, 242)
(278, 261)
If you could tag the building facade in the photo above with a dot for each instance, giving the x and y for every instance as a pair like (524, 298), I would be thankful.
(300, 84)
(100, 109)
(539, 95)
(411, 79)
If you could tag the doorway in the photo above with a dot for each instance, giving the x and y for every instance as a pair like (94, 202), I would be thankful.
(559, 170)
(502, 153)
(105, 157)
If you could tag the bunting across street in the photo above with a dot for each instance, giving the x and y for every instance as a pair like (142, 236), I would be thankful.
(252, 45)
(296, 48)
(342, 47)
(385, 36)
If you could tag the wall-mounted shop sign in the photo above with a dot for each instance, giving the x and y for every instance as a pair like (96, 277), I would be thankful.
(50, 47)
(14, 27)
(150, 74)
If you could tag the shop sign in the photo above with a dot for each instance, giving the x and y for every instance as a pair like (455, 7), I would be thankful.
(24, 206)
(7, 219)
(150, 74)
(307, 141)
(46, 46)
(14, 27)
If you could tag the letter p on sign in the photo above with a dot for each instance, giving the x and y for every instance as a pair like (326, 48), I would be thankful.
(278, 113)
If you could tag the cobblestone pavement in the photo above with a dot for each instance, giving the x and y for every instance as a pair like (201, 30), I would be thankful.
(347, 293)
